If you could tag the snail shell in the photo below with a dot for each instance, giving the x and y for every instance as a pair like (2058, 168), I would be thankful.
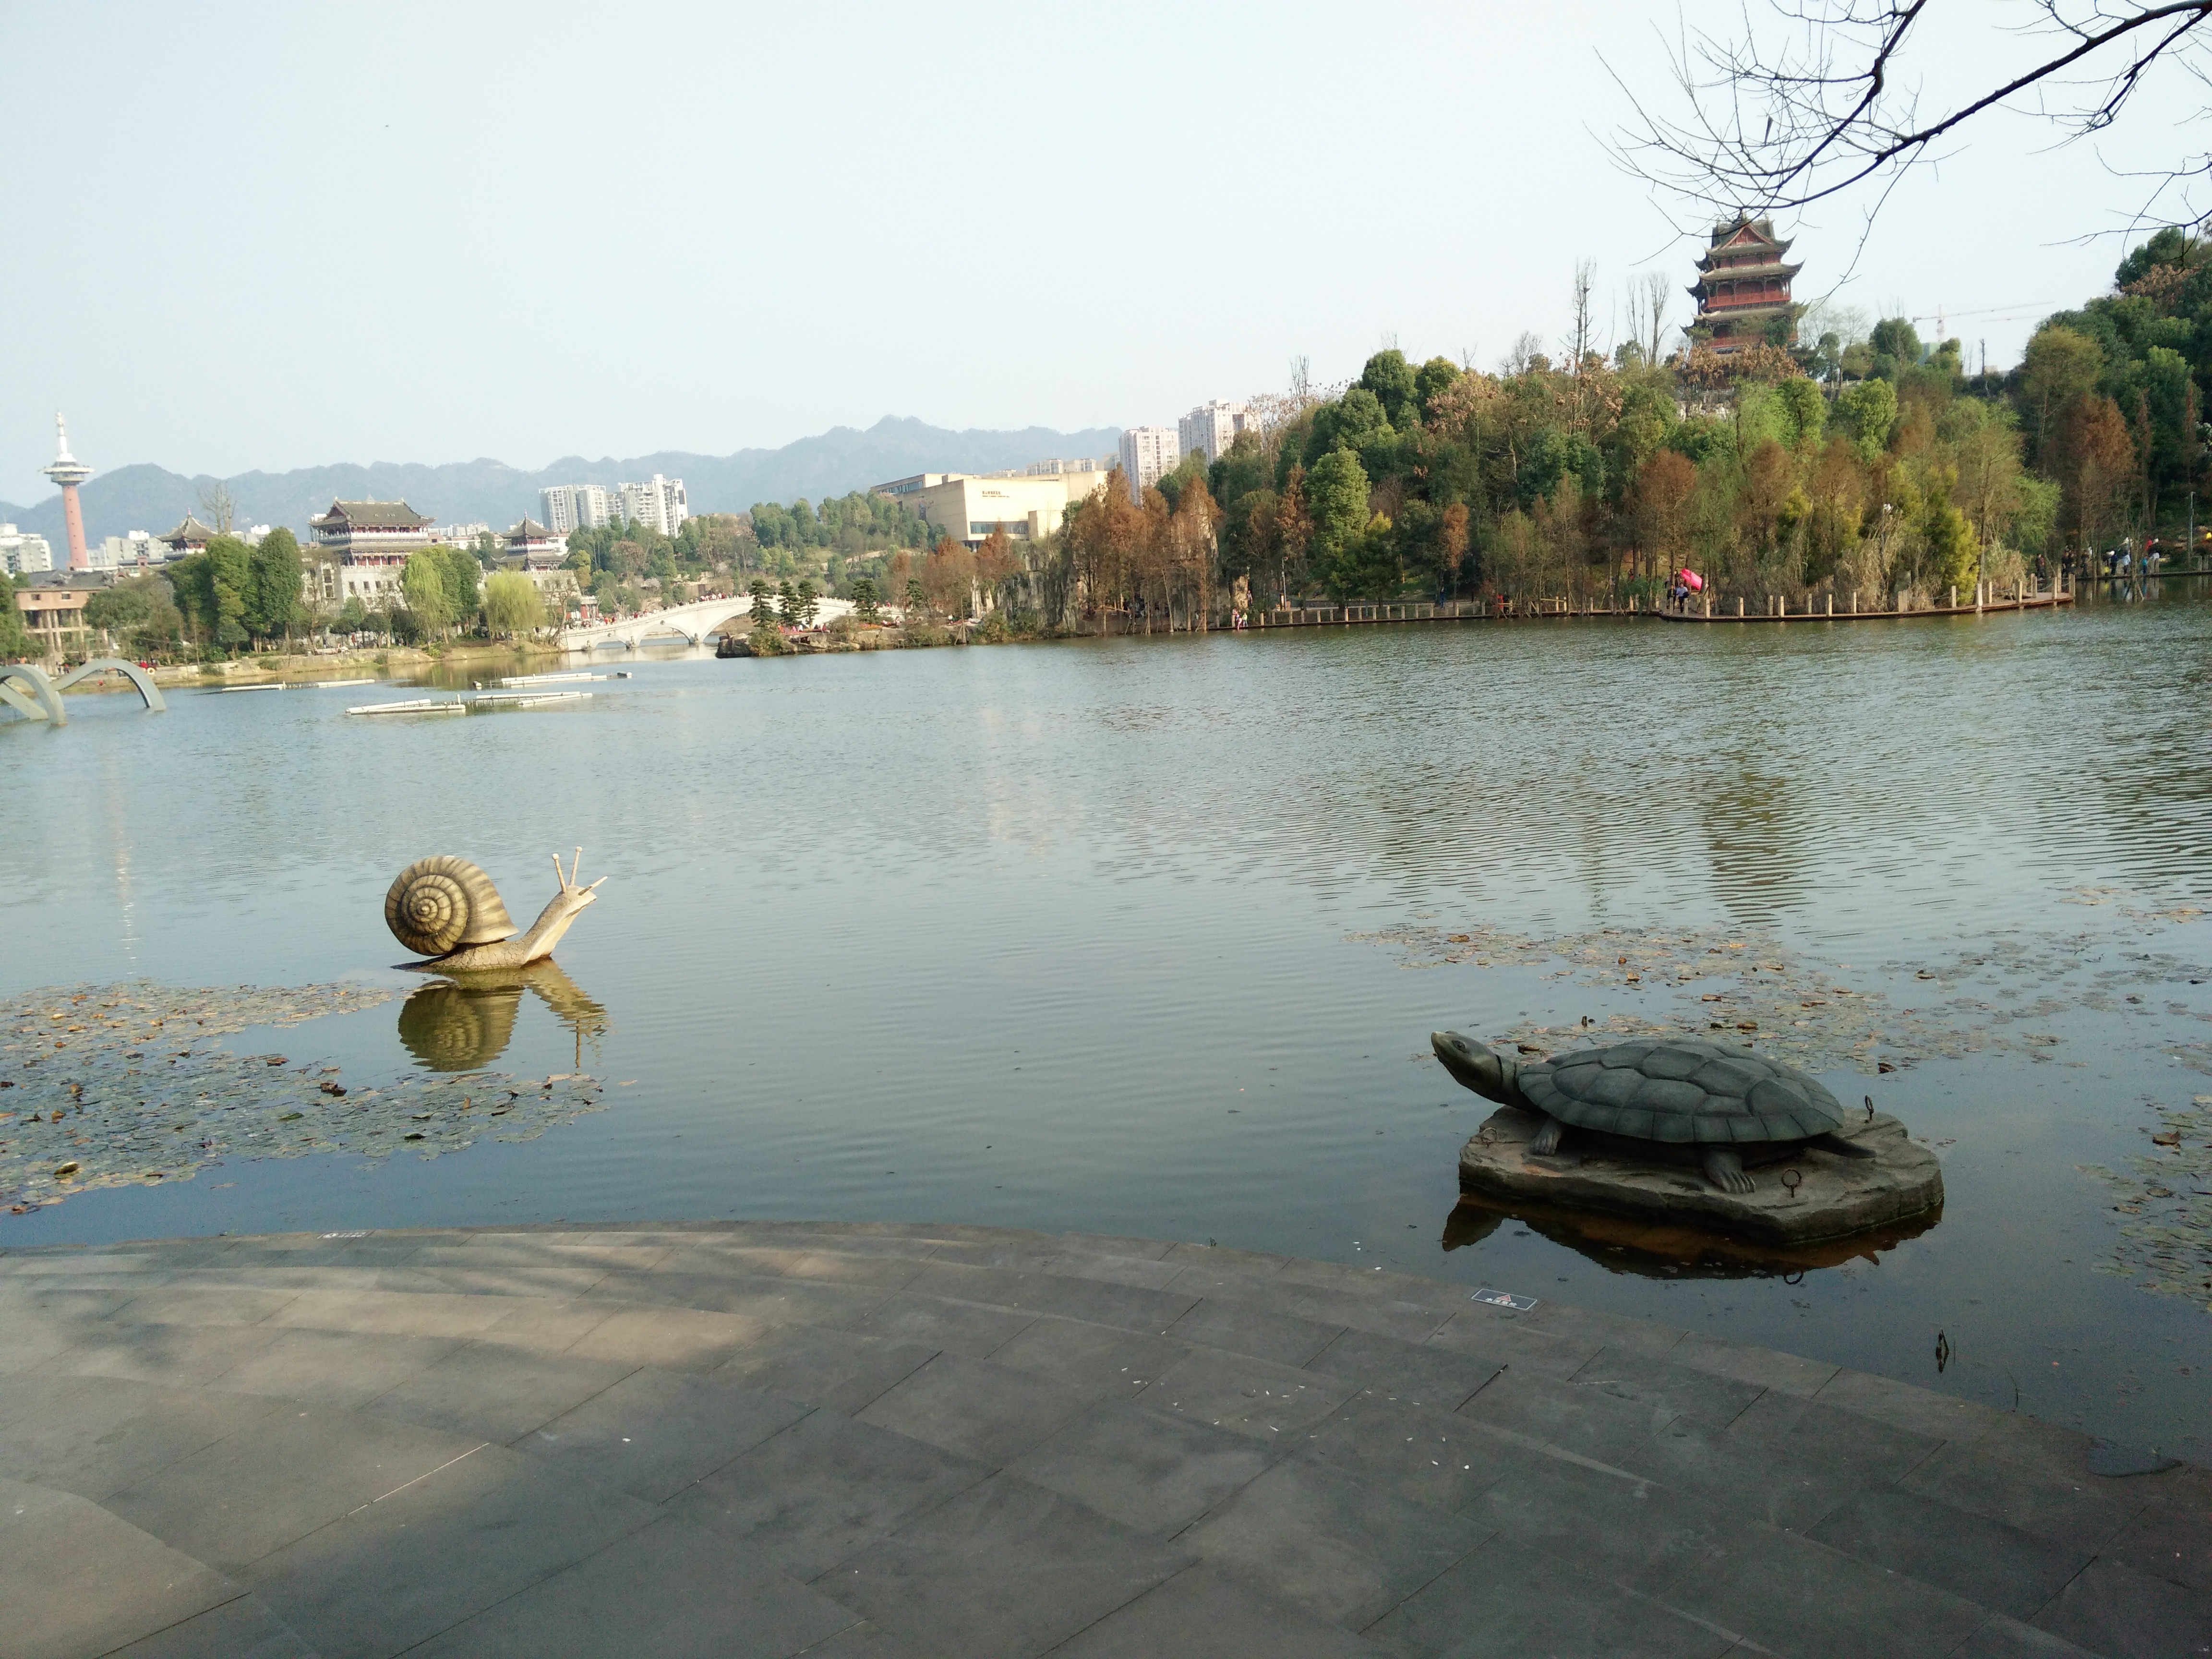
(437, 906)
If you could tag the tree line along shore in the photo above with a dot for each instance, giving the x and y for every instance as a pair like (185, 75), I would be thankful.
(1851, 458)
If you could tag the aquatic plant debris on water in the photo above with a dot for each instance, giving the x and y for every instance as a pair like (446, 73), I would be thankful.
(2166, 1195)
(106, 1085)
(1743, 986)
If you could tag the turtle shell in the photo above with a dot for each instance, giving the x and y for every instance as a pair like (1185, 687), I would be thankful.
(1681, 1088)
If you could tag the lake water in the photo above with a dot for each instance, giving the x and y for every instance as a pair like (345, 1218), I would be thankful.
(1148, 937)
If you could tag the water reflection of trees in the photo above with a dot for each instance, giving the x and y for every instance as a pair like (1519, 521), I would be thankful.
(459, 1024)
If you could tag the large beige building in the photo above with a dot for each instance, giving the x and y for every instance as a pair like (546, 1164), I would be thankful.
(1027, 506)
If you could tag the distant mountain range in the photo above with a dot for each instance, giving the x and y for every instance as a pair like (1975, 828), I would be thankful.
(148, 498)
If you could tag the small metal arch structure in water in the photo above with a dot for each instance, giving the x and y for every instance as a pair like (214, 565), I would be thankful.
(25, 689)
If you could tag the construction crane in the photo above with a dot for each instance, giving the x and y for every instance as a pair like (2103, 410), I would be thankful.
(2015, 311)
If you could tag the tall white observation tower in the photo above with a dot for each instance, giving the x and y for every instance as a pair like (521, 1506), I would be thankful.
(68, 472)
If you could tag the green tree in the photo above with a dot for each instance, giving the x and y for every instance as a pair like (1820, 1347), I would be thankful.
(423, 582)
(1336, 503)
(809, 603)
(1806, 409)
(787, 602)
(512, 604)
(763, 613)
(1866, 412)
(274, 603)
(867, 601)
(139, 615)
(463, 579)
(15, 638)
(353, 616)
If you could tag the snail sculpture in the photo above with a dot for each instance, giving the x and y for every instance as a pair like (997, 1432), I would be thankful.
(447, 909)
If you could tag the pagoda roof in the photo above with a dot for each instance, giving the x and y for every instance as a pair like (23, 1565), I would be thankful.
(188, 533)
(528, 530)
(370, 515)
(1748, 274)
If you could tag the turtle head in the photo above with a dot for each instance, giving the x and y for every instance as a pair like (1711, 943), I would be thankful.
(1473, 1066)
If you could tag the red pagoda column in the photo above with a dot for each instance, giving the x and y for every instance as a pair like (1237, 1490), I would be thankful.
(68, 472)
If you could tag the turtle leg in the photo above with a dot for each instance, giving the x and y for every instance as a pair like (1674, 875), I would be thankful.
(1724, 1169)
(1549, 1137)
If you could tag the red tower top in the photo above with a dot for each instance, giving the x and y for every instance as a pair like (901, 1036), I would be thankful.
(1746, 284)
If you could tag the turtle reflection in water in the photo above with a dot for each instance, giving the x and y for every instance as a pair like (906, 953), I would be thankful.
(1718, 1099)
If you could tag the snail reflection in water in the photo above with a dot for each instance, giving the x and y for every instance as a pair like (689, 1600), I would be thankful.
(447, 909)
(459, 1025)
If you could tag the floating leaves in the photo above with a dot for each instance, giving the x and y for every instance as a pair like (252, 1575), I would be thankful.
(2165, 1199)
(118, 1084)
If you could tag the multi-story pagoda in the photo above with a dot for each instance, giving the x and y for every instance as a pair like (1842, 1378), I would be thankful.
(1746, 285)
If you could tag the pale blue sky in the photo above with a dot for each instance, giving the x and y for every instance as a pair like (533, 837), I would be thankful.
(272, 236)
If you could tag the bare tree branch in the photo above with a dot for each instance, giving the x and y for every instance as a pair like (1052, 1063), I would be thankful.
(1819, 97)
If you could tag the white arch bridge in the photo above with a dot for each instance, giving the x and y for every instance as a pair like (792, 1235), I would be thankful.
(693, 623)
(27, 689)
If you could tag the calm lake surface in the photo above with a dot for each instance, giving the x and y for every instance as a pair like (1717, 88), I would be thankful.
(1148, 937)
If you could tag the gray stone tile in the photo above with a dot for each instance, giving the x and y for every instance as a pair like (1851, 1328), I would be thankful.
(673, 1339)
(76, 1580)
(398, 1312)
(488, 1391)
(1100, 1302)
(654, 1432)
(553, 1326)
(1575, 1417)
(176, 1355)
(977, 1409)
(826, 1486)
(1219, 1259)
(186, 1303)
(334, 1368)
(1675, 1392)
(1603, 1330)
(2117, 1611)
(1346, 1552)
(861, 1641)
(1151, 1249)
(1364, 1310)
(2000, 1637)
(1503, 1339)
(1901, 1405)
(1149, 1470)
(2002, 1568)
(2171, 1537)
(1004, 1568)
(1785, 1372)
(670, 1591)
(400, 1570)
(825, 1367)
(775, 1300)
(1098, 1359)
(888, 1272)
(1785, 1460)
(1245, 1395)
(242, 1628)
(1202, 1613)
(2075, 1511)
(94, 1436)
(1787, 1593)
(1414, 1371)
(956, 1327)
(542, 1280)
(1420, 1452)
(1237, 1326)
(1507, 1601)
(1637, 1535)
(233, 1502)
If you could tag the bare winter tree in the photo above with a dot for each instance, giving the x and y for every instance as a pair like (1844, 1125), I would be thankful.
(216, 502)
(1816, 97)
(1578, 345)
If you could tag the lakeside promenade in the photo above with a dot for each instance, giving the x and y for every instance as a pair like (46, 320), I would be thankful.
(876, 1440)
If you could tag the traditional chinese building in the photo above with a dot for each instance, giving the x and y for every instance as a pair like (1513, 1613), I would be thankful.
(539, 549)
(1745, 286)
(189, 537)
(371, 542)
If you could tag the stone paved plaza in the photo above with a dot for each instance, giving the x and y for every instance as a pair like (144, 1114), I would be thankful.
(875, 1441)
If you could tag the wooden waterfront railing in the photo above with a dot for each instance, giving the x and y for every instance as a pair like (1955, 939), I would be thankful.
(1707, 607)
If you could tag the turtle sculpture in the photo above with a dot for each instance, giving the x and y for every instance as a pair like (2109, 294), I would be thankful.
(1715, 1098)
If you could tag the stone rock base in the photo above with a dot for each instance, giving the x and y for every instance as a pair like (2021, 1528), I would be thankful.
(1831, 1197)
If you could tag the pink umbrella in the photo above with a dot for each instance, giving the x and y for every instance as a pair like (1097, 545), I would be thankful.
(1693, 582)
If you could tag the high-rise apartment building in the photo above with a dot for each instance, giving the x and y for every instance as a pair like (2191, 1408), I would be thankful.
(1149, 453)
(22, 552)
(1214, 427)
(658, 504)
